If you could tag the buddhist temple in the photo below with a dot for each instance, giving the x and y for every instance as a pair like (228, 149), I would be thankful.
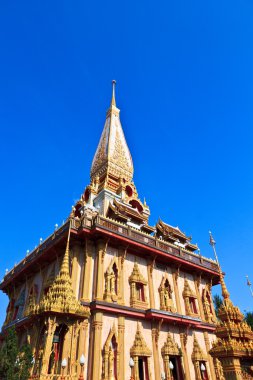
(107, 296)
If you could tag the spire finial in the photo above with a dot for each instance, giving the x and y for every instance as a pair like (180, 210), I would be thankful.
(224, 290)
(113, 101)
(65, 261)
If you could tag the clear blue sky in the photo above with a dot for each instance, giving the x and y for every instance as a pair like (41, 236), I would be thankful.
(184, 85)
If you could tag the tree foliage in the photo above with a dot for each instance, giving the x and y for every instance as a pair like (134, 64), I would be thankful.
(217, 300)
(15, 363)
(249, 318)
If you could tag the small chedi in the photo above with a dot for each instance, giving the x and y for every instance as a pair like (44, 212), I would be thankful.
(233, 349)
(107, 296)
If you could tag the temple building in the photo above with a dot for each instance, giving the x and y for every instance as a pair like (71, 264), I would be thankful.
(109, 297)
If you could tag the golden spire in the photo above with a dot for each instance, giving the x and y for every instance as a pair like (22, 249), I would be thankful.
(112, 158)
(60, 297)
(65, 261)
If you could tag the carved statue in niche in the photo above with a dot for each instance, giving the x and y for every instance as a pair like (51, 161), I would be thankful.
(165, 291)
(112, 282)
(208, 306)
(110, 366)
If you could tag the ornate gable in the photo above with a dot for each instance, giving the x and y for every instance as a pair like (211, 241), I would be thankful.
(139, 347)
(136, 276)
(170, 347)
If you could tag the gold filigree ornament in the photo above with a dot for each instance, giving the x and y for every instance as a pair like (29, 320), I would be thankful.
(139, 347)
(60, 297)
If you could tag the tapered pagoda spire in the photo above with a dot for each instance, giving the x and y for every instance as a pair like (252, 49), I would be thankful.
(112, 160)
(60, 297)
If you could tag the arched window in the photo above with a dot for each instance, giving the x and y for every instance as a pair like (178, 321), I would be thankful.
(171, 355)
(19, 306)
(111, 356)
(141, 354)
(199, 361)
(190, 300)
(137, 283)
(56, 354)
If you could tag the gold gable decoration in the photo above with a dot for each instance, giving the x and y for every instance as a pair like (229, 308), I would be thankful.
(136, 276)
(198, 357)
(187, 292)
(60, 297)
(139, 347)
(170, 347)
(197, 353)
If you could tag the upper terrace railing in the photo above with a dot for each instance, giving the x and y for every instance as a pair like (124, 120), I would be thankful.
(121, 230)
(153, 242)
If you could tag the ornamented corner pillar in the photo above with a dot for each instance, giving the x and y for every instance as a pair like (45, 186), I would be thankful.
(74, 279)
(155, 337)
(210, 360)
(75, 340)
(97, 336)
(175, 276)
(66, 350)
(197, 281)
(150, 283)
(86, 295)
(83, 338)
(122, 257)
(51, 326)
(121, 334)
(231, 368)
(218, 369)
(101, 251)
(183, 340)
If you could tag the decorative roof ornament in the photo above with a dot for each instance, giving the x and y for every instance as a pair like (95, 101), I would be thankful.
(170, 347)
(197, 353)
(139, 347)
(187, 292)
(112, 160)
(60, 297)
(136, 275)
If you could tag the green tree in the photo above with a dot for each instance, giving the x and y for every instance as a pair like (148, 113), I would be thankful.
(249, 318)
(15, 363)
(217, 301)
